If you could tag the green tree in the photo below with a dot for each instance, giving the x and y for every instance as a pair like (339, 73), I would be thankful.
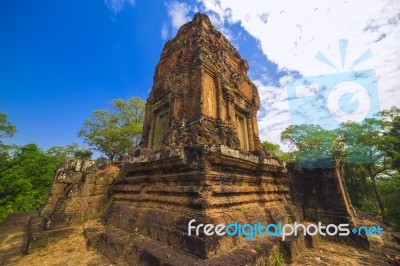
(115, 132)
(390, 187)
(6, 128)
(389, 183)
(359, 187)
(391, 135)
(4, 156)
(311, 142)
(276, 151)
(71, 151)
(369, 154)
(365, 146)
(25, 180)
(358, 147)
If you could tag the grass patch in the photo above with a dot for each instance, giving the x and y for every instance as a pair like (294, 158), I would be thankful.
(280, 259)
(111, 200)
(241, 209)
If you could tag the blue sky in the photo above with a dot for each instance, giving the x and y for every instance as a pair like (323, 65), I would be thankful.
(60, 60)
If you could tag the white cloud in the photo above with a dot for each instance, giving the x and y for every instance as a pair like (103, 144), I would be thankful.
(117, 5)
(164, 32)
(178, 12)
(291, 32)
(273, 117)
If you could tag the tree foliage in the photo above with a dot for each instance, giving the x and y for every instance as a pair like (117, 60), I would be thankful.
(369, 153)
(26, 173)
(6, 128)
(115, 132)
(365, 147)
(391, 135)
(25, 178)
(390, 190)
(276, 151)
(71, 151)
(312, 146)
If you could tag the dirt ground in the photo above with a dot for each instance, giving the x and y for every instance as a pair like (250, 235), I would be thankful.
(72, 251)
(68, 251)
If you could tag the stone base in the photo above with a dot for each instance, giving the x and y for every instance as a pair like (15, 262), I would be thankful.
(157, 195)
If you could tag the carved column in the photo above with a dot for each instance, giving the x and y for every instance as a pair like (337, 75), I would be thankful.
(229, 98)
(250, 133)
(254, 108)
(217, 96)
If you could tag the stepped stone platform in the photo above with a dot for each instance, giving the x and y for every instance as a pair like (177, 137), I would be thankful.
(158, 195)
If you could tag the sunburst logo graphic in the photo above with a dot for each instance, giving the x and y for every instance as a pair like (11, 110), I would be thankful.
(344, 100)
(331, 99)
(328, 100)
(343, 49)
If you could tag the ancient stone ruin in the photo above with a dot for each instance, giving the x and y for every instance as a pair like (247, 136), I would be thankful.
(199, 158)
(200, 155)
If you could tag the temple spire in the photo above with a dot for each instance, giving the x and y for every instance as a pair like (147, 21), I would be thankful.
(201, 93)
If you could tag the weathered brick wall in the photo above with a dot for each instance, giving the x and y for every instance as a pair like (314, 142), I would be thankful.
(321, 193)
(80, 191)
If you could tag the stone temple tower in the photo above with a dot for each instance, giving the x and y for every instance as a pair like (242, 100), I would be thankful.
(201, 93)
(200, 155)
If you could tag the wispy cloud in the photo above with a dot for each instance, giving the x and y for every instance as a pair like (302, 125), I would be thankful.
(179, 13)
(117, 5)
(273, 117)
(164, 32)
